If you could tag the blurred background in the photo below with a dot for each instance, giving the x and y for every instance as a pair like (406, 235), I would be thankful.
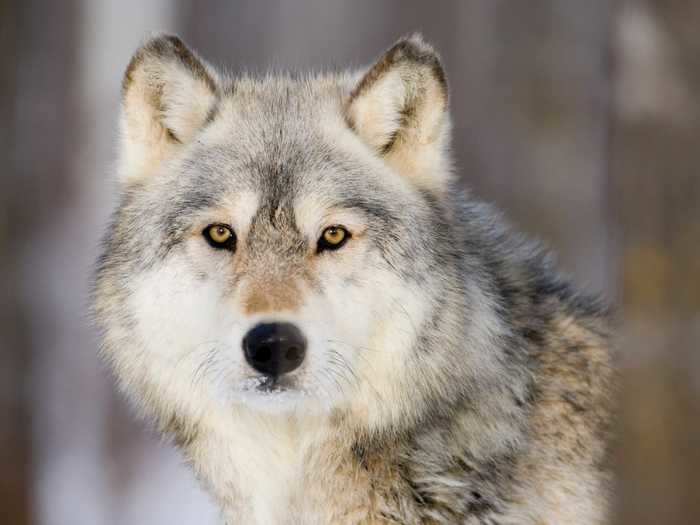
(580, 119)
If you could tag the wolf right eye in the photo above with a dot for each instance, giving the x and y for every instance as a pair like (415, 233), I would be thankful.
(220, 236)
(332, 238)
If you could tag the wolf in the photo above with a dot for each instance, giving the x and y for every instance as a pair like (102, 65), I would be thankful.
(296, 290)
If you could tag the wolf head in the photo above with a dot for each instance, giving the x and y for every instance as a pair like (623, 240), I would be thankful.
(289, 243)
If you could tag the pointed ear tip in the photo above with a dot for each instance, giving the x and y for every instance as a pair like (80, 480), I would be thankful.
(154, 45)
(418, 40)
(163, 35)
(417, 46)
(165, 47)
(162, 45)
(414, 48)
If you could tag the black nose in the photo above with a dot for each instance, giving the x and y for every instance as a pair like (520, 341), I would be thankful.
(274, 348)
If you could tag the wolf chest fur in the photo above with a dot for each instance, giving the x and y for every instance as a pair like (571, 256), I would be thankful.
(297, 291)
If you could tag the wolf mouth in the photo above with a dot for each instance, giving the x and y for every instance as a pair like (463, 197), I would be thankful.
(275, 385)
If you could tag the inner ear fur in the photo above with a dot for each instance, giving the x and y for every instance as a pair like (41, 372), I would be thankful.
(401, 101)
(168, 93)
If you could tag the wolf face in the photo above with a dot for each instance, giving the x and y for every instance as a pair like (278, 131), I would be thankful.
(288, 243)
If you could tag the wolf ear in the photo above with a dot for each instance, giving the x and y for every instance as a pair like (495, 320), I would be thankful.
(167, 95)
(399, 109)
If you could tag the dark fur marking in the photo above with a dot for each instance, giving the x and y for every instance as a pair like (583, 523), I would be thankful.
(478, 505)
(360, 454)
(172, 136)
(386, 148)
(212, 114)
(406, 114)
(533, 335)
(572, 400)
(373, 208)
(419, 496)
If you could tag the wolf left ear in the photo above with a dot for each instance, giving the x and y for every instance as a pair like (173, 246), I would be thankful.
(167, 96)
(399, 109)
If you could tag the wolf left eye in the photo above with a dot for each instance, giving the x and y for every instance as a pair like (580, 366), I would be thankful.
(220, 236)
(332, 238)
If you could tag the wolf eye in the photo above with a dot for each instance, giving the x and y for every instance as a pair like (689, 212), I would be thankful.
(333, 238)
(220, 236)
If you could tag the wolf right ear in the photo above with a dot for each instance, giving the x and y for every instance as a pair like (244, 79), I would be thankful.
(167, 95)
(399, 109)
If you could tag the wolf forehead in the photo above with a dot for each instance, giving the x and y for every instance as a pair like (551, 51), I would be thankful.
(277, 137)
(279, 181)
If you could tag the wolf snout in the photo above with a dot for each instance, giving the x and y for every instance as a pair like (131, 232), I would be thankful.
(274, 348)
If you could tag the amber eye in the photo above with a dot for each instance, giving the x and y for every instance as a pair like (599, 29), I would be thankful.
(333, 238)
(220, 236)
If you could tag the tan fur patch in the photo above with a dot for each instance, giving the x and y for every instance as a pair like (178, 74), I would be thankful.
(562, 473)
(272, 296)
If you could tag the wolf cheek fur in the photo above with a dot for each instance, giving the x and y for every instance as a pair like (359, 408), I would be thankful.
(443, 371)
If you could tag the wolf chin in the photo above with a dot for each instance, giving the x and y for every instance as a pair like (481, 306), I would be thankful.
(297, 291)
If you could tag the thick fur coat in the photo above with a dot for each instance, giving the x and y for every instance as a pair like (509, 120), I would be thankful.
(451, 374)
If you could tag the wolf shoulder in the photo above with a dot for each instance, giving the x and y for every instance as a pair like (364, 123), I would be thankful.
(568, 469)
(563, 337)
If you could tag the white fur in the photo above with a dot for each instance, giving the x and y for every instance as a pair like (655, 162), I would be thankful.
(377, 115)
